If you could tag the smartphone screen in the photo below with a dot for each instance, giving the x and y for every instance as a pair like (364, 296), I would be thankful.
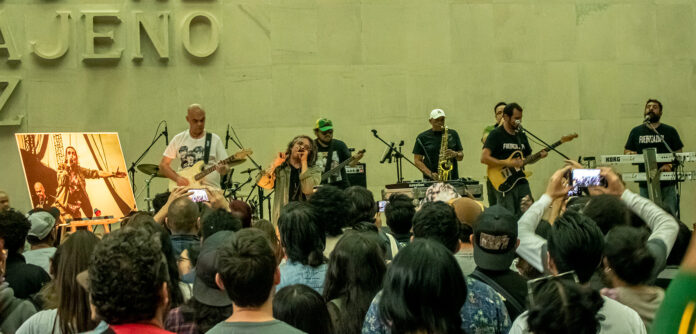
(198, 195)
(382, 205)
(581, 179)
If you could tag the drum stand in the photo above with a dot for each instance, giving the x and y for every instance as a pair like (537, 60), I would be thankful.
(148, 199)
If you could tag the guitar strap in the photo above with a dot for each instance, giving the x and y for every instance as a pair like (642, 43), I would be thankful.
(206, 155)
(329, 157)
(518, 136)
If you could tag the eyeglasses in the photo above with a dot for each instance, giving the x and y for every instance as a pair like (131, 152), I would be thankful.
(534, 285)
(302, 146)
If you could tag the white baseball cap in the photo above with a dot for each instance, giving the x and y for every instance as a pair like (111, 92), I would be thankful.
(437, 113)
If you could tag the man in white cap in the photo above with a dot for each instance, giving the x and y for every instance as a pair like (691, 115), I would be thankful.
(41, 237)
(426, 151)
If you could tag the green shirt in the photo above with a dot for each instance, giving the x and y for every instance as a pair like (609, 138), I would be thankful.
(677, 312)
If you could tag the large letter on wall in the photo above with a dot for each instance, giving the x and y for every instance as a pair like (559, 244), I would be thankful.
(7, 87)
(8, 40)
(63, 40)
(153, 31)
(213, 40)
(91, 36)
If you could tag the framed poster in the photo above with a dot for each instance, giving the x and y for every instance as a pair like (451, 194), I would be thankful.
(83, 175)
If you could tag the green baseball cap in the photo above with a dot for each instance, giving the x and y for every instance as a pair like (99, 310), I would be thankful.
(324, 124)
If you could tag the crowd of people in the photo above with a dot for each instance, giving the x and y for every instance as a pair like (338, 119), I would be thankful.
(334, 264)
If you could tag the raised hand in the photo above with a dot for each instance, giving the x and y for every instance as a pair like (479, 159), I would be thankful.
(615, 186)
(558, 184)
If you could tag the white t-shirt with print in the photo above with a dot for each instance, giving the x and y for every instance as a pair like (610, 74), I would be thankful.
(189, 150)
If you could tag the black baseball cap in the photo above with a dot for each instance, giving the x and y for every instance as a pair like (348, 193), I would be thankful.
(205, 290)
(495, 238)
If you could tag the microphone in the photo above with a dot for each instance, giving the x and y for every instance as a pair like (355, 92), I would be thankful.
(227, 137)
(374, 132)
(166, 133)
(519, 127)
(647, 118)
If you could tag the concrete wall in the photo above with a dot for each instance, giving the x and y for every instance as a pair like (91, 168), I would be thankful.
(575, 66)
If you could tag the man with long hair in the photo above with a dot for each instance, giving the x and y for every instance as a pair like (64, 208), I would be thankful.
(293, 174)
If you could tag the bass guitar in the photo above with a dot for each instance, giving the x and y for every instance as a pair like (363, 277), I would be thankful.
(505, 178)
(197, 172)
(339, 167)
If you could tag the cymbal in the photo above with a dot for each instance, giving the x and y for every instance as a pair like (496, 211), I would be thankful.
(150, 169)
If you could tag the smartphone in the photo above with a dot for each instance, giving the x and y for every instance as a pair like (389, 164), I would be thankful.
(581, 179)
(382, 205)
(198, 195)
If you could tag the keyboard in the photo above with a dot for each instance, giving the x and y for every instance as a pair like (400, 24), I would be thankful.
(666, 176)
(638, 158)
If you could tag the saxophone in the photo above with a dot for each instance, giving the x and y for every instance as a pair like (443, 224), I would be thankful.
(444, 165)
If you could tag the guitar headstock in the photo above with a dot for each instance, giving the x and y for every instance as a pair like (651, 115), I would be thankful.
(569, 137)
(243, 153)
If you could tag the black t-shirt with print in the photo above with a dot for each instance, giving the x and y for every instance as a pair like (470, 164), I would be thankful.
(428, 145)
(641, 137)
(340, 153)
(502, 144)
(295, 193)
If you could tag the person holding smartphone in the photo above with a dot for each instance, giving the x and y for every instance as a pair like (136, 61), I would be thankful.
(643, 136)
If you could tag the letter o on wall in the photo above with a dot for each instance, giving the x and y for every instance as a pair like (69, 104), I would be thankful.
(213, 40)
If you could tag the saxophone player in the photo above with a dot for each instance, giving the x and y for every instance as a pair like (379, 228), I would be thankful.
(430, 149)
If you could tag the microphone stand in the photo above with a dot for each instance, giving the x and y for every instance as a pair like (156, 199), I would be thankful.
(396, 154)
(675, 162)
(237, 142)
(131, 169)
(524, 130)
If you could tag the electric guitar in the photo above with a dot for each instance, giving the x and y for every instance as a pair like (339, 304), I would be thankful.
(337, 169)
(197, 172)
(505, 178)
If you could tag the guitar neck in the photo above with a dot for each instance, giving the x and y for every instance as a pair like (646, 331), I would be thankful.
(536, 156)
(339, 167)
(205, 172)
(212, 168)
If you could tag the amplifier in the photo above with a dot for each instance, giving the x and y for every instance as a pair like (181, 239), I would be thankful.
(356, 175)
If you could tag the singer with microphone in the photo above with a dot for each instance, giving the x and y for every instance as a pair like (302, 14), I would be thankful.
(643, 136)
(192, 146)
(502, 143)
(426, 150)
(293, 174)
